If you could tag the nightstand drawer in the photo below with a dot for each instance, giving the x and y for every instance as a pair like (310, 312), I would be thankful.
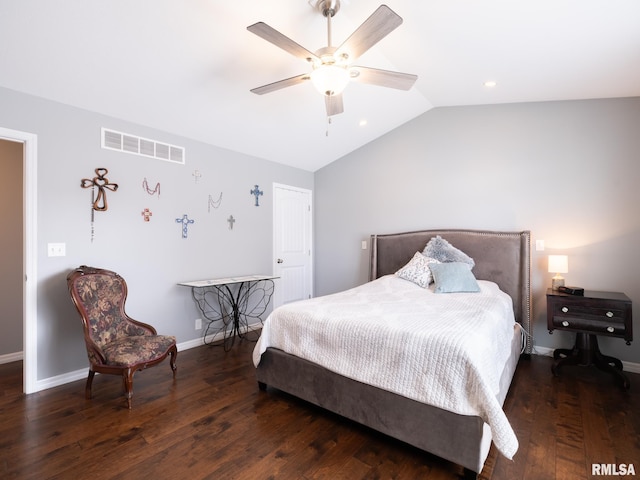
(603, 312)
(590, 324)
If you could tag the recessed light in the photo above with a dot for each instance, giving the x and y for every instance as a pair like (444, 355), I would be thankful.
(490, 83)
(362, 123)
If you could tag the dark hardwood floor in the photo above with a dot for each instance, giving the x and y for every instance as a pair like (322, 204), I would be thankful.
(212, 422)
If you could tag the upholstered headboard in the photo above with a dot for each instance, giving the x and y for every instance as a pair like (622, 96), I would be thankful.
(501, 257)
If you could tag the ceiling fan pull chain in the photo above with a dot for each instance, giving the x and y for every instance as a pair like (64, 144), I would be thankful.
(328, 123)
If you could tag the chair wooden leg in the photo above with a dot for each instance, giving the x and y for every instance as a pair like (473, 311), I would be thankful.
(127, 378)
(173, 354)
(87, 388)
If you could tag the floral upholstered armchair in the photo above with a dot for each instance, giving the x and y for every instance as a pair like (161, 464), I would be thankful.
(116, 344)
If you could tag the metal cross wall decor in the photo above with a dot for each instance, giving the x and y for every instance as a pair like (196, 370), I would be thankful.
(99, 203)
(185, 223)
(146, 214)
(100, 182)
(257, 192)
(231, 221)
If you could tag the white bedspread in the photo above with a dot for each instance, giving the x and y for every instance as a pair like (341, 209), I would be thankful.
(446, 350)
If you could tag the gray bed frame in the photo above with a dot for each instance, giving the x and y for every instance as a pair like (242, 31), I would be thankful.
(501, 257)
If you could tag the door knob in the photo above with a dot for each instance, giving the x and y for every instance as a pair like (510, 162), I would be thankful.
(280, 260)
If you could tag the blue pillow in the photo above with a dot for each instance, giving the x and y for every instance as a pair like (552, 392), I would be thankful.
(453, 277)
(443, 251)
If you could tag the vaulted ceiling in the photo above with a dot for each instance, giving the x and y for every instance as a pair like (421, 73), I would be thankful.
(186, 67)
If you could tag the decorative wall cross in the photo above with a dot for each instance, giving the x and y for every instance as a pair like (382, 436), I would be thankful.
(101, 182)
(99, 203)
(231, 221)
(146, 214)
(197, 175)
(257, 192)
(185, 223)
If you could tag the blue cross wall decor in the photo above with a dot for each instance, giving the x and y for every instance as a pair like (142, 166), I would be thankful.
(185, 223)
(257, 192)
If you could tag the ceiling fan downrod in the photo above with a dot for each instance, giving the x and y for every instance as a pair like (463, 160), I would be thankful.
(328, 8)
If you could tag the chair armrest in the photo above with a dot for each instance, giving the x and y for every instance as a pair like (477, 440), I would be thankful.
(145, 326)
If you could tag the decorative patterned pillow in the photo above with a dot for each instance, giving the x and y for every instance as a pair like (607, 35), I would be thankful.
(453, 277)
(443, 251)
(417, 270)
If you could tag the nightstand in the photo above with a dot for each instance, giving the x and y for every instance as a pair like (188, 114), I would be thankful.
(595, 313)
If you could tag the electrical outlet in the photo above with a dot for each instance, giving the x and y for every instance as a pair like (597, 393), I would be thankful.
(540, 245)
(364, 244)
(198, 324)
(56, 249)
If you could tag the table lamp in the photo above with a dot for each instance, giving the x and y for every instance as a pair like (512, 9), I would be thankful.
(558, 264)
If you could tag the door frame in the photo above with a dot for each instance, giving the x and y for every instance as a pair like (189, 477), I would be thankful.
(30, 254)
(309, 192)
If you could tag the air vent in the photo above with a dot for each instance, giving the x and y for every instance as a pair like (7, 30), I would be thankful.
(124, 142)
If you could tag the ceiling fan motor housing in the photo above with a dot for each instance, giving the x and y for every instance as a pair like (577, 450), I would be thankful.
(328, 8)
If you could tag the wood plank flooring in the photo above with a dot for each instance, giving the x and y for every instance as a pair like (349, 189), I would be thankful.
(212, 422)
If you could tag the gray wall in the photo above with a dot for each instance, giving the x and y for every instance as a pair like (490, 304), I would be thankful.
(152, 256)
(567, 171)
(11, 280)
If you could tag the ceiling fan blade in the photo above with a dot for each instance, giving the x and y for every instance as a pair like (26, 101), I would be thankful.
(279, 40)
(383, 78)
(380, 24)
(287, 82)
(334, 104)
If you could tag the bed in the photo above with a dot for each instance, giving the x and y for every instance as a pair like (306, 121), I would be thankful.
(501, 258)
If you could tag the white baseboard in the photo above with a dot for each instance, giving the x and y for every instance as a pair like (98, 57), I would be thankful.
(11, 357)
(60, 379)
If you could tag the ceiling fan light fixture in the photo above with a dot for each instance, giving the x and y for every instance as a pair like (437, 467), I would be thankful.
(330, 79)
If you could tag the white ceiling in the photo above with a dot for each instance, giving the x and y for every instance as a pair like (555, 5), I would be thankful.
(186, 66)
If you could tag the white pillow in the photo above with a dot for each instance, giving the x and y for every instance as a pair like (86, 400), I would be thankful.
(417, 270)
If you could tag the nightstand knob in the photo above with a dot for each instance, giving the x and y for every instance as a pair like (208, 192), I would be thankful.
(609, 314)
(565, 310)
(565, 323)
(611, 329)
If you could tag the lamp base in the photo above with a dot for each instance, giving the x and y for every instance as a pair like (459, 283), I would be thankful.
(556, 282)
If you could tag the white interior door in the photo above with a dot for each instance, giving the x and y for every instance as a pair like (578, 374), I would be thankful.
(292, 244)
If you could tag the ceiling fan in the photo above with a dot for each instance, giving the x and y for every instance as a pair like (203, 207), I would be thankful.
(331, 67)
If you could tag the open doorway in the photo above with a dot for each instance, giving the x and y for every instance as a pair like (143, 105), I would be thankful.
(26, 148)
(11, 250)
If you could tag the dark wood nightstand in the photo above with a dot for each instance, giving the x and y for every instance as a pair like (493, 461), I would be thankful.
(595, 313)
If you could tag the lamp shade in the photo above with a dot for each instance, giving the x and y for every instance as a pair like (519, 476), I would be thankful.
(330, 79)
(558, 264)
